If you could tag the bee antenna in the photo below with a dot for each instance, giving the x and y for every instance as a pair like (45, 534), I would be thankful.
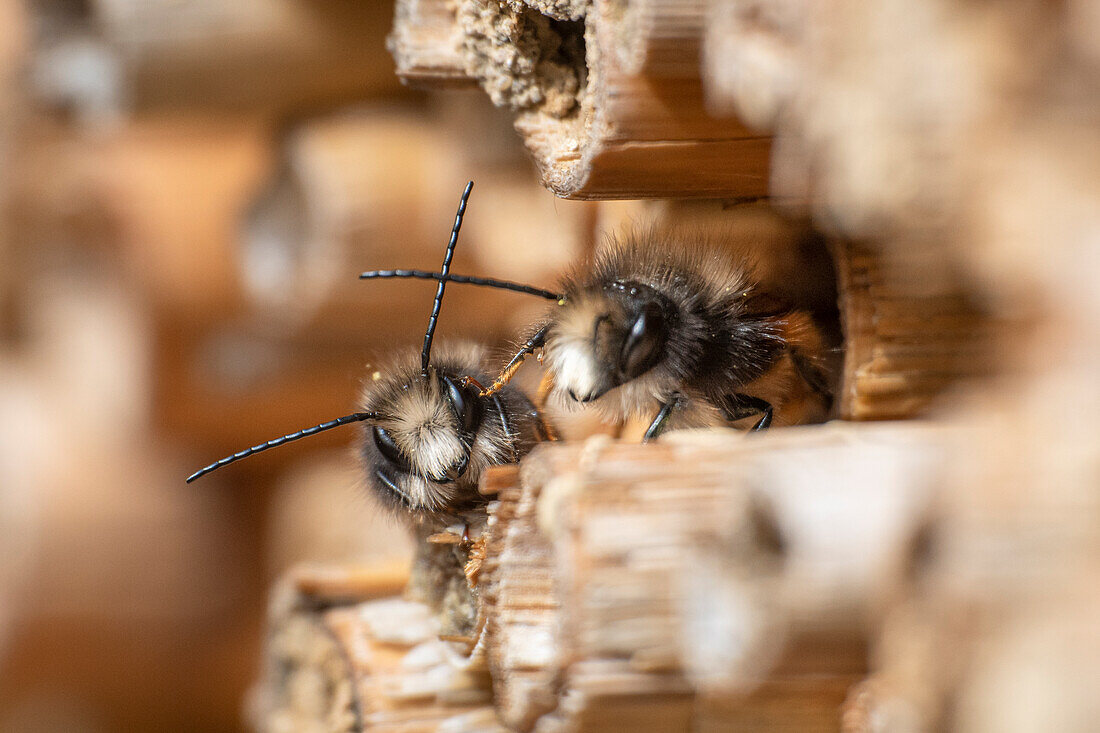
(426, 352)
(354, 417)
(485, 282)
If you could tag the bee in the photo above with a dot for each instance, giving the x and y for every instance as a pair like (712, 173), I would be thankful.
(666, 326)
(429, 433)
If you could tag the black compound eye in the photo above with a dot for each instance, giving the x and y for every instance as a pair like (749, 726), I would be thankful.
(642, 347)
(466, 403)
(389, 449)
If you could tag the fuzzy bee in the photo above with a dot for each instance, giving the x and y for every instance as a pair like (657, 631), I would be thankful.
(674, 329)
(429, 432)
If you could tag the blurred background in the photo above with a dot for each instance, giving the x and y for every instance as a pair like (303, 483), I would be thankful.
(188, 194)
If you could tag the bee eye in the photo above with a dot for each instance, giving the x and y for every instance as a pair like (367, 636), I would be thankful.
(465, 401)
(642, 347)
(389, 450)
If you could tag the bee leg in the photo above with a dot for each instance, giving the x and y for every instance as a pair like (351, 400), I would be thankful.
(658, 425)
(740, 405)
(509, 436)
(546, 386)
(533, 343)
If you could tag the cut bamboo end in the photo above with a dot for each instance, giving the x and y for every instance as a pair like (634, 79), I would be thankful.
(308, 682)
(616, 566)
(522, 609)
(345, 654)
(981, 643)
(686, 583)
(598, 130)
(969, 657)
(642, 135)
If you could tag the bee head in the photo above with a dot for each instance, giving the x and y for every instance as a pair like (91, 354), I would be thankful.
(608, 336)
(426, 439)
(424, 445)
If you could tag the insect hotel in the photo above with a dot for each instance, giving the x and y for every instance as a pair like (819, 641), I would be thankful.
(803, 433)
(924, 560)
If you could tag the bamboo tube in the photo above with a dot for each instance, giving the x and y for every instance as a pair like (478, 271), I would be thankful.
(998, 628)
(892, 144)
(343, 655)
(1011, 667)
(71, 69)
(10, 104)
(621, 605)
(998, 639)
(906, 341)
(522, 609)
(162, 196)
(641, 136)
(595, 130)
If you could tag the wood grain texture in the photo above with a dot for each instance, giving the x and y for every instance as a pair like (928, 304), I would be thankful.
(906, 341)
(521, 606)
(682, 584)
